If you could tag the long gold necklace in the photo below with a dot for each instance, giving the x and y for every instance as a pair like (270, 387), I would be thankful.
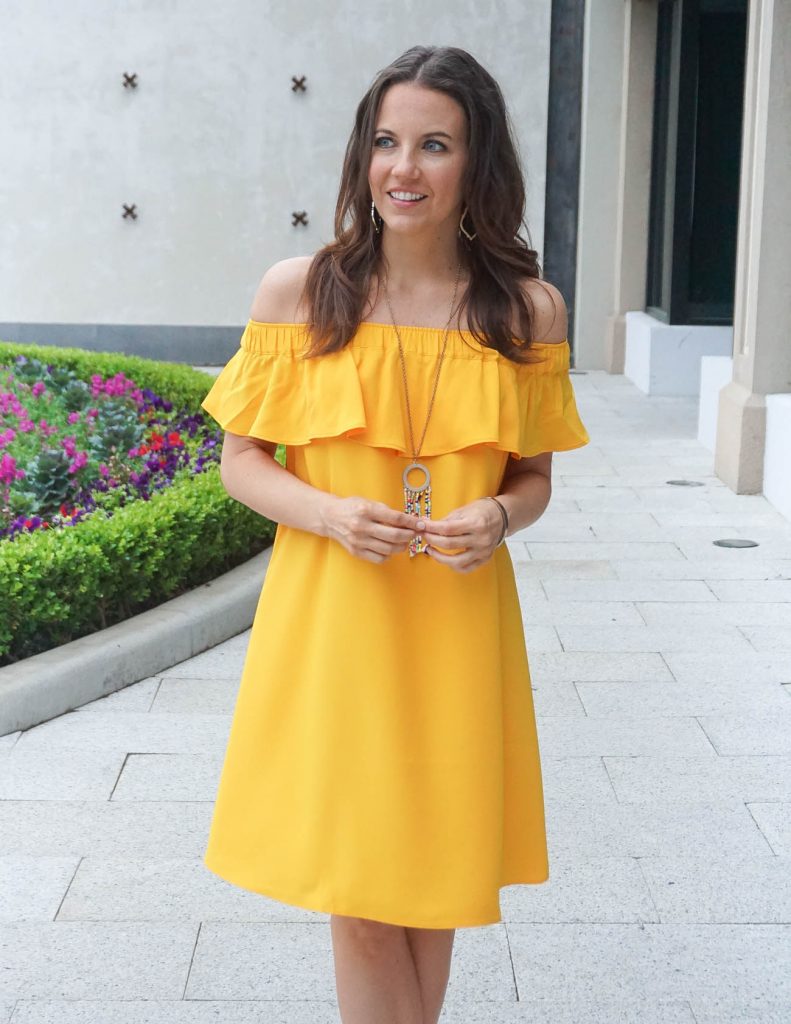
(414, 494)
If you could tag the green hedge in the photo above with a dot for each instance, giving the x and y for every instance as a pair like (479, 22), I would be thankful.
(60, 584)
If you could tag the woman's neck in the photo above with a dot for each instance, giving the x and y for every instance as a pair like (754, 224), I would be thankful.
(414, 264)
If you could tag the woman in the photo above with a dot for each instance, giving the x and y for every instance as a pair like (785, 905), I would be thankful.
(382, 763)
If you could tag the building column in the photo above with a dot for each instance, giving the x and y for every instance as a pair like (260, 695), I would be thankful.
(634, 176)
(762, 301)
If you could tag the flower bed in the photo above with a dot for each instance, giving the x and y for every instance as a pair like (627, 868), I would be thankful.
(110, 495)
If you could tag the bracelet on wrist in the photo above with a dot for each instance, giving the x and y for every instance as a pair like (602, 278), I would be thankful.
(504, 513)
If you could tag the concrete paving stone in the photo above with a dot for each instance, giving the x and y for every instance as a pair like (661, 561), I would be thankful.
(76, 960)
(650, 638)
(557, 699)
(601, 889)
(560, 527)
(775, 591)
(530, 592)
(6, 1009)
(8, 741)
(774, 821)
(636, 480)
(698, 962)
(708, 777)
(167, 889)
(713, 521)
(564, 1009)
(679, 699)
(267, 961)
(630, 735)
(731, 613)
(224, 661)
(628, 590)
(176, 1011)
(695, 548)
(700, 569)
(129, 730)
(756, 732)
(745, 666)
(715, 1011)
(552, 613)
(541, 638)
(31, 888)
(184, 695)
(728, 889)
(598, 499)
(169, 777)
(606, 828)
(35, 774)
(575, 666)
(570, 780)
(571, 1008)
(43, 828)
(767, 638)
(545, 569)
(562, 504)
(136, 697)
(601, 550)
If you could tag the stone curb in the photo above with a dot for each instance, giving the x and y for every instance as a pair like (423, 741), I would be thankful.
(48, 684)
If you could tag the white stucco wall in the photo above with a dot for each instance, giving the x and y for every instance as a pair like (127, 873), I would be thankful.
(213, 146)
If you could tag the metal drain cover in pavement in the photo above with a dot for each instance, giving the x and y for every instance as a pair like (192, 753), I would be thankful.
(736, 542)
(685, 483)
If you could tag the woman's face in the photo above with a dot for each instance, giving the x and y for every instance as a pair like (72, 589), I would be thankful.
(419, 147)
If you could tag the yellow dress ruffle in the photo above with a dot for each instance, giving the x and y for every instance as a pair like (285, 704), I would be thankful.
(267, 390)
(382, 760)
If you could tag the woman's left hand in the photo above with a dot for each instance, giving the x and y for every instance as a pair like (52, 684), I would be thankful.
(471, 532)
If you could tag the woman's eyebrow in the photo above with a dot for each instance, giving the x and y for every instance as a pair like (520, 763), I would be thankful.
(424, 136)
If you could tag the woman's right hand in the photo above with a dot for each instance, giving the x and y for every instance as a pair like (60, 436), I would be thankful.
(368, 529)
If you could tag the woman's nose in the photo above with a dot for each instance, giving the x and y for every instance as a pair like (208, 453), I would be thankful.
(405, 163)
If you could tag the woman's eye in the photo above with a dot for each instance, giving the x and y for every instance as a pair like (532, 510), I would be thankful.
(429, 142)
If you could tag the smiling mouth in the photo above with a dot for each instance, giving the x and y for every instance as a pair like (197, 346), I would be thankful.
(406, 197)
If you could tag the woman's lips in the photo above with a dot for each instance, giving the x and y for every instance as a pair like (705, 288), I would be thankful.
(404, 202)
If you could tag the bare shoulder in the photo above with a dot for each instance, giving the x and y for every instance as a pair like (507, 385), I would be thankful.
(278, 298)
(550, 317)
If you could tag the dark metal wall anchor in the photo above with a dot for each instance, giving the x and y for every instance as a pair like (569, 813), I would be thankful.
(130, 211)
(130, 81)
(299, 217)
(299, 83)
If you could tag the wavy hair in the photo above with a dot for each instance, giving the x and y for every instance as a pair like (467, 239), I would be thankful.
(339, 278)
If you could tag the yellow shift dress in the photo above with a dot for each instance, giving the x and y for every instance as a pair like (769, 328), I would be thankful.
(382, 759)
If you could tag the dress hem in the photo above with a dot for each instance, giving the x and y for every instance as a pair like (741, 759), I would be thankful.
(323, 907)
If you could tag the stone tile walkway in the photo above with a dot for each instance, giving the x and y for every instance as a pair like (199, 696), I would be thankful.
(662, 675)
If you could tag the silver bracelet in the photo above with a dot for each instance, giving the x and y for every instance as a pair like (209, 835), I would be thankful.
(504, 513)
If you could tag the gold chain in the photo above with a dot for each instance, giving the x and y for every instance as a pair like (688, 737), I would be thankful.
(439, 367)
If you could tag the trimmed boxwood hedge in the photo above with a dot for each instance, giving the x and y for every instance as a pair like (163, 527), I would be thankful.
(60, 584)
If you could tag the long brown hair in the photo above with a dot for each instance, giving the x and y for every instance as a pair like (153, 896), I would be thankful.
(339, 278)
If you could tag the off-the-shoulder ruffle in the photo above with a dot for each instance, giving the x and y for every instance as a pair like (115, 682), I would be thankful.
(270, 391)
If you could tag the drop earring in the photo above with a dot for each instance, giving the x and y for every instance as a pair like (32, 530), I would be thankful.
(377, 228)
(463, 230)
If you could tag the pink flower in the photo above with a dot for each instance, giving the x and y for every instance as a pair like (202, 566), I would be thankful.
(8, 469)
(74, 417)
(79, 462)
(26, 425)
(37, 388)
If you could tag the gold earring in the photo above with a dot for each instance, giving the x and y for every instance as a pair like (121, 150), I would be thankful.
(463, 230)
(373, 217)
